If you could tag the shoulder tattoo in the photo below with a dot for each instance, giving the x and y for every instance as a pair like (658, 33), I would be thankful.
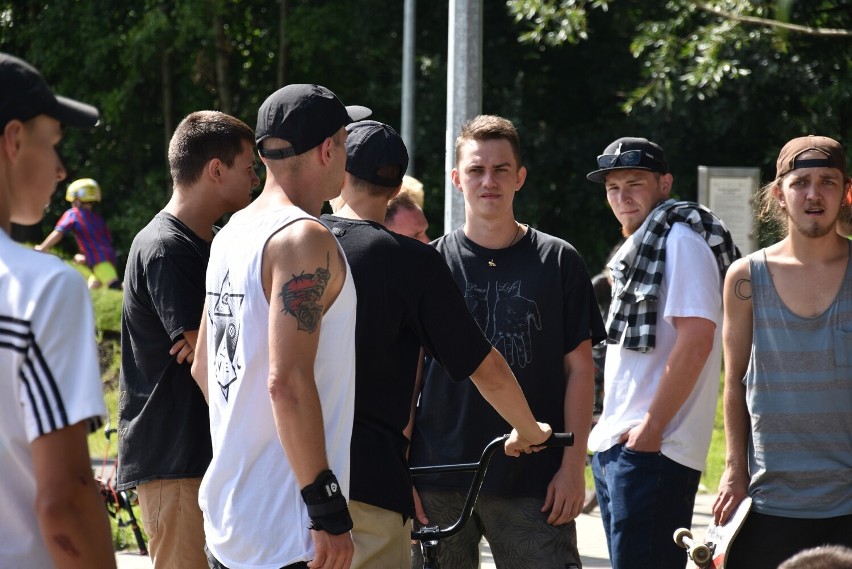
(301, 297)
(742, 288)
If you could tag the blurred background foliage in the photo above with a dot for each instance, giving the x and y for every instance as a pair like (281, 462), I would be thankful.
(716, 83)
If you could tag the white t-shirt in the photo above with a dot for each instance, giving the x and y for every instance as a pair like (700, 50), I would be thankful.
(254, 516)
(691, 288)
(50, 380)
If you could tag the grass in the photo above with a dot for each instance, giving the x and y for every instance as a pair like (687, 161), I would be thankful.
(716, 455)
(100, 447)
(107, 305)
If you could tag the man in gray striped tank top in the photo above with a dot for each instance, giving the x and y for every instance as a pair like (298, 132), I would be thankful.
(788, 367)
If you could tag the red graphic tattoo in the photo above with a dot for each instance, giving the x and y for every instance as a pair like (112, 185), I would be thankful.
(301, 297)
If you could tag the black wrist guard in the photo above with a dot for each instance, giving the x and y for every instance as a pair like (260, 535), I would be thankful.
(326, 505)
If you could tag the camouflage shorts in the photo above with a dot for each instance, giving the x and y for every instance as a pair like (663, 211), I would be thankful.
(516, 529)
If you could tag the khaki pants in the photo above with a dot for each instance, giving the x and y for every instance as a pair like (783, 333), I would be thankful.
(380, 536)
(174, 523)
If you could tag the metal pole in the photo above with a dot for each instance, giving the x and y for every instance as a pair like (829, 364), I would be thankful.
(464, 93)
(408, 44)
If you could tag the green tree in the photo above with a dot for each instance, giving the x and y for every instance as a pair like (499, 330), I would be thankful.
(722, 83)
(697, 45)
(148, 63)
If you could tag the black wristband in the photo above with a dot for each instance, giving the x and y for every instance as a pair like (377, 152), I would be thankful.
(326, 505)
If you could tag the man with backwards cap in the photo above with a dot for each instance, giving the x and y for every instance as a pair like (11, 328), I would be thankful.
(788, 367)
(278, 340)
(663, 357)
(53, 514)
(406, 298)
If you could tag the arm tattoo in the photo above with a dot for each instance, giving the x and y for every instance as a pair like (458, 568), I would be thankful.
(301, 296)
(742, 289)
(64, 543)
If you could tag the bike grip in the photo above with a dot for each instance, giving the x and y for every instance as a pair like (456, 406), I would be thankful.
(559, 440)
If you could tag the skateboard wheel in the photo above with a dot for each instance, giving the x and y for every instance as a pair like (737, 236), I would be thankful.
(679, 536)
(700, 554)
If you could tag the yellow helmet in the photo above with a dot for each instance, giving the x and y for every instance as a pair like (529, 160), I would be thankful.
(84, 189)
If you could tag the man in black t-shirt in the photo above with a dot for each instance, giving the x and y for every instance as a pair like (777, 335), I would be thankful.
(406, 298)
(531, 295)
(163, 424)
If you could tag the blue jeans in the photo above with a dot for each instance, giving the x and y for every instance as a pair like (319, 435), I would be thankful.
(644, 497)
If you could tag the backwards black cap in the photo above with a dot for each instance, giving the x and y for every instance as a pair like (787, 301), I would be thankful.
(376, 153)
(304, 115)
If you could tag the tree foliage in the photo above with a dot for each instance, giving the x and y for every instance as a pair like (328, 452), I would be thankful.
(723, 90)
(696, 46)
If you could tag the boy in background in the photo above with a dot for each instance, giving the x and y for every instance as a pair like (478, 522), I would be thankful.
(90, 231)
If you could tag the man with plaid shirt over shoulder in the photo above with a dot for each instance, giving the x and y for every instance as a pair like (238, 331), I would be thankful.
(663, 356)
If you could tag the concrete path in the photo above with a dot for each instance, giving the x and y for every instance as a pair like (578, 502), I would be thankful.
(590, 533)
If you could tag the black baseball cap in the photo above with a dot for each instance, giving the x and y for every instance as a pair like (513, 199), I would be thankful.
(374, 150)
(304, 115)
(630, 153)
(24, 95)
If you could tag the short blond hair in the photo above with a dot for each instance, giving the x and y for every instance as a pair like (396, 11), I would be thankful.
(414, 189)
(399, 202)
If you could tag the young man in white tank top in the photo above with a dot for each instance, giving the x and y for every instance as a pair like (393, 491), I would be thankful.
(278, 342)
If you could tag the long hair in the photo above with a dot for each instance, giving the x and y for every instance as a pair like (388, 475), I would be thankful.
(770, 215)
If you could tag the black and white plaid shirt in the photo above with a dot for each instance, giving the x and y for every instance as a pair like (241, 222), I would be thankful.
(639, 266)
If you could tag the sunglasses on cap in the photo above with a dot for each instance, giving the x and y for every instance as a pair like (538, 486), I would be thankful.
(627, 158)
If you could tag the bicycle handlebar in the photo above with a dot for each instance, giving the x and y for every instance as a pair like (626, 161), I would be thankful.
(479, 468)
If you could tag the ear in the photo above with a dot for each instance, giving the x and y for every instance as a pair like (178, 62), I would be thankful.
(456, 179)
(779, 195)
(848, 198)
(326, 150)
(11, 138)
(522, 177)
(214, 169)
(666, 182)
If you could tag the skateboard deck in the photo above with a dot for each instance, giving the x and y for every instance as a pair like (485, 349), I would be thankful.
(712, 552)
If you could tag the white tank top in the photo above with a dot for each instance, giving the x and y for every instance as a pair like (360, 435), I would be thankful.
(253, 510)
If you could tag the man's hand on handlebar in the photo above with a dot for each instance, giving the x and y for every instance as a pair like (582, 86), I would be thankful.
(515, 445)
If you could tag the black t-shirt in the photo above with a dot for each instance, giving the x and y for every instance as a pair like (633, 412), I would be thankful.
(163, 420)
(406, 297)
(535, 303)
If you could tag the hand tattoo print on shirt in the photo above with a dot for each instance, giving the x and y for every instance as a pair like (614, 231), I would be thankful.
(301, 296)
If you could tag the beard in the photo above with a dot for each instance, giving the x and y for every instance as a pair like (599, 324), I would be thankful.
(812, 229)
(628, 230)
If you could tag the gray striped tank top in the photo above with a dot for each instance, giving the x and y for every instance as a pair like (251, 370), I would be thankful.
(799, 396)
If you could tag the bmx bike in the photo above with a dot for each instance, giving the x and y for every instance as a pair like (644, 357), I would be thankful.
(430, 536)
(119, 503)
